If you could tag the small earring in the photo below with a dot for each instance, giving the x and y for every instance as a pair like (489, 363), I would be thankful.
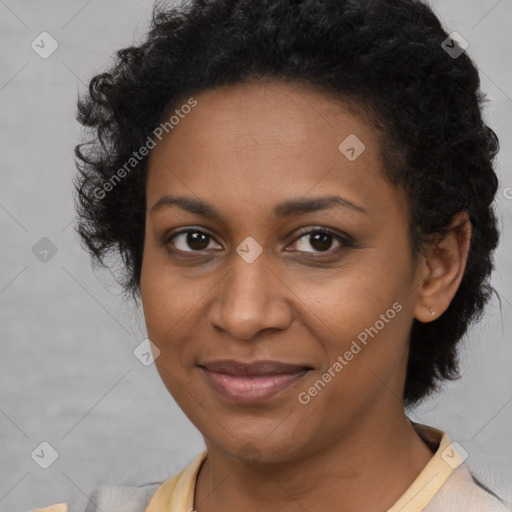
(432, 311)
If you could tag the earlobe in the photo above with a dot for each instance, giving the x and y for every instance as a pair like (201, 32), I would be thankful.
(445, 264)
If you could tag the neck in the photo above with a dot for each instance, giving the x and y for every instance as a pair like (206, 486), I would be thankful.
(369, 469)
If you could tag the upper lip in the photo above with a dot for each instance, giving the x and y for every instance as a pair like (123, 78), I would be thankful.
(257, 368)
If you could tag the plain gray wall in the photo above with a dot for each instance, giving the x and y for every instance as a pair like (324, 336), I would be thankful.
(67, 372)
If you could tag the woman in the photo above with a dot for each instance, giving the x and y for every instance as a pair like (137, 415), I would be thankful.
(301, 193)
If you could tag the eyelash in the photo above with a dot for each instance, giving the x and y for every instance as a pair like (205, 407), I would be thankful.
(344, 241)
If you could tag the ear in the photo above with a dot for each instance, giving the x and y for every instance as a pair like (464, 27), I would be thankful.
(443, 269)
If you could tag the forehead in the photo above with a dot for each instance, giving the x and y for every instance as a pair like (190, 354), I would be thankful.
(254, 144)
(288, 113)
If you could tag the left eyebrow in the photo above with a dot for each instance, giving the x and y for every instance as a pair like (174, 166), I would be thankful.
(300, 206)
(284, 209)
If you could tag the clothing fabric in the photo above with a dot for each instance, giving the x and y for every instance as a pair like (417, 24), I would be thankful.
(444, 485)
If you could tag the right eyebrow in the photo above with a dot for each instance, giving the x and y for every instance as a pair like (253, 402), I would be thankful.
(285, 209)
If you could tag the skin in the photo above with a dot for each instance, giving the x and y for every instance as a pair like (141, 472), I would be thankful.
(243, 149)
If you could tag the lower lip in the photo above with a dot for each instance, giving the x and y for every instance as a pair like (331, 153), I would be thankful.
(251, 389)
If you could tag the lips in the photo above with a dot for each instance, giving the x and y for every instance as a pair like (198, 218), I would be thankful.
(251, 382)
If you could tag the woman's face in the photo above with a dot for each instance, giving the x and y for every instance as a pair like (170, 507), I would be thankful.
(254, 281)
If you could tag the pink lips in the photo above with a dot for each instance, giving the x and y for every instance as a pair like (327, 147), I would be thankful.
(254, 382)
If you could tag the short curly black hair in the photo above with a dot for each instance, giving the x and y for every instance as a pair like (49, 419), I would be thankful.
(389, 59)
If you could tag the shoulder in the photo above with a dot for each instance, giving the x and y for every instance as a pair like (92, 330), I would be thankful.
(121, 498)
(58, 507)
(464, 492)
(154, 496)
(112, 498)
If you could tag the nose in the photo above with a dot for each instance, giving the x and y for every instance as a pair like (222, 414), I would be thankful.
(252, 297)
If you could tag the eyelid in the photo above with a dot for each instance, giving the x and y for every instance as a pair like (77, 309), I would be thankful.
(343, 239)
(192, 229)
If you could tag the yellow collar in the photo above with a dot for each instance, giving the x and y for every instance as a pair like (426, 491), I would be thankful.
(177, 493)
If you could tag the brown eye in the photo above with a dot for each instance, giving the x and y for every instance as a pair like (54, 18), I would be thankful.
(190, 240)
(321, 240)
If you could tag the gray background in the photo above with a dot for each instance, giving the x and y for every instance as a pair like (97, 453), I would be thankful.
(68, 375)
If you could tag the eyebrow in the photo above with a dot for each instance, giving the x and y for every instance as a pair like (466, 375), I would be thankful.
(284, 209)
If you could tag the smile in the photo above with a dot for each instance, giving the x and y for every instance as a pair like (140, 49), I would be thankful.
(249, 383)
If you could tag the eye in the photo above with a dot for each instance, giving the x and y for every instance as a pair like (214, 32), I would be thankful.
(192, 238)
(321, 239)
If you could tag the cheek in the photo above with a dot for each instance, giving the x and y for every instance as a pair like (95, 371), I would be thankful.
(362, 315)
(351, 298)
(172, 305)
(165, 308)
(165, 300)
